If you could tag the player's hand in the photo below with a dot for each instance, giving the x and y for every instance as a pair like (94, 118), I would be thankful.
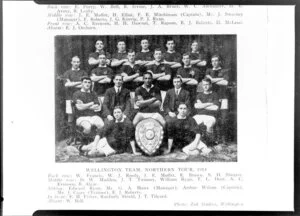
(171, 114)
(110, 118)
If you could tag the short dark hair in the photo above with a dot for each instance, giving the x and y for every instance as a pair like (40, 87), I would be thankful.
(85, 78)
(177, 77)
(118, 74)
(170, 39)
(185, 54)
(121, 40)
(75, 56)
(131, 51)
(182, 103)
(207, 80)
(157, 50)
(216, 56)
(117, 107)
(99, 40)
(147, 73)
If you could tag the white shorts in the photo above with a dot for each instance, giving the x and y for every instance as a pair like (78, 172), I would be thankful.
(224, 104)
(93, 120)
(205, 119)
(69, 109)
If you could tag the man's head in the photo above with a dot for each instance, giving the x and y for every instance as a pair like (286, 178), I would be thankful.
(216, 61)
(145, 44)
(99, 45)
(170, 44)
(131, 56)
(102, 59)
(147, 77)
(75, 62)
(182, 109)
(86, 83)
(177, 82)
(118, 114)
(118, 80)
(121, 46)
(206, 84)
(157, 54)
(195, 46)
(186, 59)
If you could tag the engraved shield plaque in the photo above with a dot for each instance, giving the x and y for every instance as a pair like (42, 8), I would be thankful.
(149, 135)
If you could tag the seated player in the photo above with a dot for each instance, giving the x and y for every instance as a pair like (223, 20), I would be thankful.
(117, 135)
(101, 76)
(171, 57)
(207, 106)
(184, 133)
(219, 78)
(73, 82)
(120, 57)
(190, 76)
(87, 106)
(94, 57)
(161, 73)
(148, 100)
(116, 96)
(197, 58)
(174, 97)
(145, 56)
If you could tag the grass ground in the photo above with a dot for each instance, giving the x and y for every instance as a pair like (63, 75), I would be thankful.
(220, 153)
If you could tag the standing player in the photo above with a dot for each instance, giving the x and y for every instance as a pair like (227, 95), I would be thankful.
(148, 99)
(87, 105)
(161, 73)
(120, 57)
(197, 58)
(73, 83)
(116, 96)
(94, 57)
(171, 57)
(219, 78)
(174, 97)
(101, 76)
(132, 74)
(145, 56)
(184, 133)
(190, 76)
(207, 106)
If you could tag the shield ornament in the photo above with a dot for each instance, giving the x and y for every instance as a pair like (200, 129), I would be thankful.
(149, 135)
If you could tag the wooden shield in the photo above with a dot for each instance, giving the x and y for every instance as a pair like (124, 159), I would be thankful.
(149, 134)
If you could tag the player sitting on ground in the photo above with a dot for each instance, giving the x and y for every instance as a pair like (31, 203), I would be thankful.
(184, 133)
(117, 135)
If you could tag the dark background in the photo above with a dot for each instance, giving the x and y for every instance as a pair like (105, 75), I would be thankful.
(68, 46)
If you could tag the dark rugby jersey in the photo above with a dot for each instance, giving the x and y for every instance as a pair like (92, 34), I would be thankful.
(95, 55)
(130, 71)
(85, 97)
(144, 56)
(190, 72)
(182, 131)
(207, 98)
(219, 73)
(172, 57)
(73, 76)
(119, 56)
(153, 92)
(119, 134)
(100, 88)
(161, 68)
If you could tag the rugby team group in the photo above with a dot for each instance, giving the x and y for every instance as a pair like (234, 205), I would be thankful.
(185, 95)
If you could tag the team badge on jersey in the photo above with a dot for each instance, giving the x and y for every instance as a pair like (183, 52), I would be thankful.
(192, 73)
